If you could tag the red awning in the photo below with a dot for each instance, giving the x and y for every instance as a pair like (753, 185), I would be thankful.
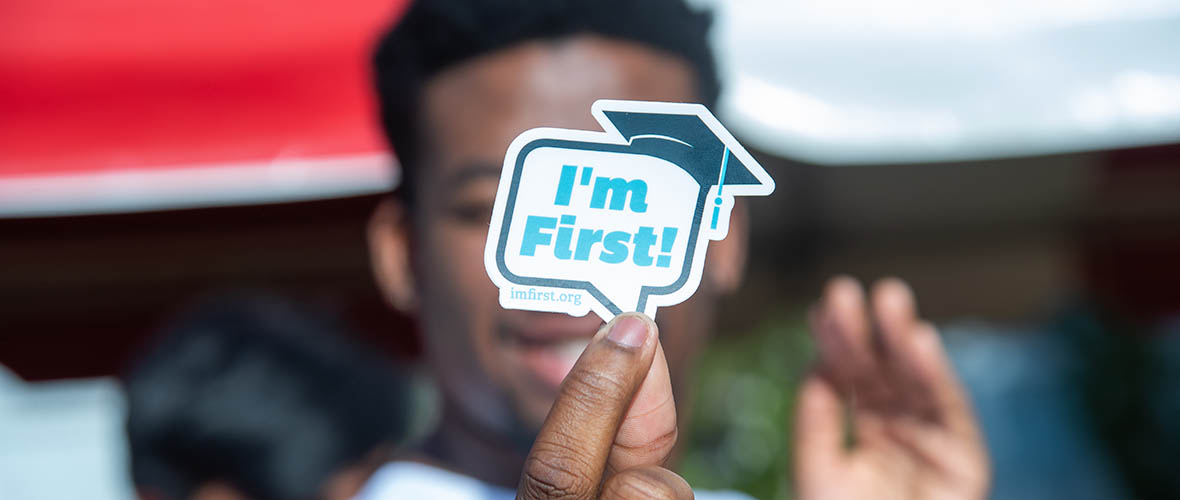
(125, 105)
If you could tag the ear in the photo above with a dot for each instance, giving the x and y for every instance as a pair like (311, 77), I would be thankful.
(389, 254)
(725, 265)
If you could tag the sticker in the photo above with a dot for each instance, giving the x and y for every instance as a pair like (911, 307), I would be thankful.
(617, 220)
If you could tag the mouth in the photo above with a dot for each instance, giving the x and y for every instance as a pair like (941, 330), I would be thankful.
(548, 349)
(552, 361)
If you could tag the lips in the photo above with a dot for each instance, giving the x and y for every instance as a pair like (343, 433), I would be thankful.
(551, 362)
(547, 345)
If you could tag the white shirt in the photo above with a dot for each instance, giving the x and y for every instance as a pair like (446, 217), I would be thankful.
(413, 480)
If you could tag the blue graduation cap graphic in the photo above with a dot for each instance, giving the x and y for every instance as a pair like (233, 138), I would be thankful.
(617, 220)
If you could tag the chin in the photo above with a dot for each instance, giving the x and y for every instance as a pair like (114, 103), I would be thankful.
(533, 410)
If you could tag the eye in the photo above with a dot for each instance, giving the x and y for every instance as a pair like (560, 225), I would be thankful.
(473, 212)
(467, 195)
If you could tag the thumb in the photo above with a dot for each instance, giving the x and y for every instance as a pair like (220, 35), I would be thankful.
(819, 435)
(648, 431)
(568, 459)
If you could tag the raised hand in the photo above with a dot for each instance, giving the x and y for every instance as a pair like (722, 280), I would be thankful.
(883, 416)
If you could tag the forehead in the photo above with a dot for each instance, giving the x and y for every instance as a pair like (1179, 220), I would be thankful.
(474, 110)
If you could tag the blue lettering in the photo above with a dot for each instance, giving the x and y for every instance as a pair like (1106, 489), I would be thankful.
(565, 187)
(614, 247)
(586, 240)
(534, 237)
(618, 189)
(563, 249)
(644, 239)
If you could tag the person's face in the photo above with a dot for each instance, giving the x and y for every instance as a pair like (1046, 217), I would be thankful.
(501, 368)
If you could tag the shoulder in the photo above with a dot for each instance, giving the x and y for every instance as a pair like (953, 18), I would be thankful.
(720, 495)
(397, 480)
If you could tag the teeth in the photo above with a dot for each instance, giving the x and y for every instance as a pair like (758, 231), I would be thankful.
(571, 349)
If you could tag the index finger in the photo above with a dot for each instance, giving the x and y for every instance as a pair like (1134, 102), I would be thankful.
(920, 357)
(569, 456)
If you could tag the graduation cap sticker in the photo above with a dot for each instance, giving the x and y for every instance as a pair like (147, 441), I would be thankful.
(617, 220)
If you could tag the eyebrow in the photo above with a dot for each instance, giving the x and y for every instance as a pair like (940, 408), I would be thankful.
(471, 172)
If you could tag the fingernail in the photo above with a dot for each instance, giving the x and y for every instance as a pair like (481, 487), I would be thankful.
(628, 331)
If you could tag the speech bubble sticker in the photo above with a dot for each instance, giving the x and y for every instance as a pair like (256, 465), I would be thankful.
(617, 220)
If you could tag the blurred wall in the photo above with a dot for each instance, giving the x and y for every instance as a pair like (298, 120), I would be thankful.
(1004, 240)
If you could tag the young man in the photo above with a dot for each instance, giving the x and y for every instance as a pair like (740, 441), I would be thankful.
(523, 414)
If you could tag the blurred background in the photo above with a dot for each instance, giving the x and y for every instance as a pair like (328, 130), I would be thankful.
(1017, 162)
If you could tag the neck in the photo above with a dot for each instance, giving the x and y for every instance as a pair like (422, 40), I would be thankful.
(461, 447)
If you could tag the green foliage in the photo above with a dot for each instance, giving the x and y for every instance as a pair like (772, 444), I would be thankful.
(740, 433)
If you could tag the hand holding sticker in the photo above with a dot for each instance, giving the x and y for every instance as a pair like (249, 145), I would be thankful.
(618, 220)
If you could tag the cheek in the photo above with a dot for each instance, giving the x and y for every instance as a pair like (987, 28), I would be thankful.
(452, 265)
(459, 314)
(458, 301)
(684, 330)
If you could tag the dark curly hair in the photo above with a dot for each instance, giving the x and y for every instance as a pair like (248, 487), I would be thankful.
(434, 35)
(261, 394)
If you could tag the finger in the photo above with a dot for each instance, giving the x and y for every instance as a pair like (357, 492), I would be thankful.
(648, 432)
(570, 453)
(894, 312)
(948, 397)
(841, 329)
(649, 482)
(819, 432)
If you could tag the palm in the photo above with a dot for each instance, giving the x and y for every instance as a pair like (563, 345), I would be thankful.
(889, 469)
(884, 418)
